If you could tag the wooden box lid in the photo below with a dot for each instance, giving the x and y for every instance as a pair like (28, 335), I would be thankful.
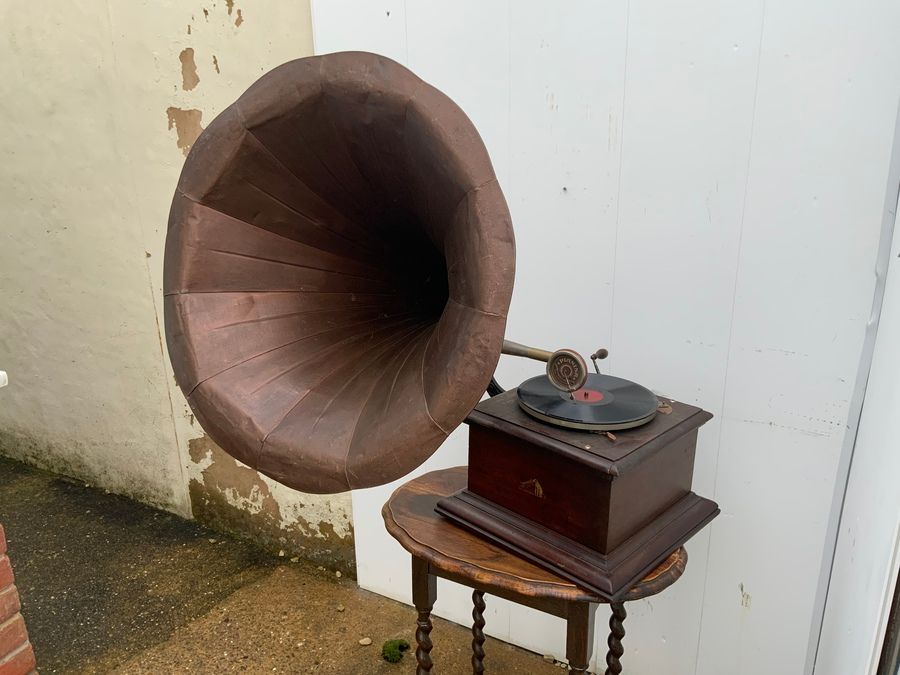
(593, 449)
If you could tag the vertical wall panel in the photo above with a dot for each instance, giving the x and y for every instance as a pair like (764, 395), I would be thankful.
(471, 61)
(690, 85)
(822, 138)
(566, 83)
(868, 551)
(567, 78)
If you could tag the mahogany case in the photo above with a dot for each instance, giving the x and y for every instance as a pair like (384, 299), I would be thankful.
(599, 511)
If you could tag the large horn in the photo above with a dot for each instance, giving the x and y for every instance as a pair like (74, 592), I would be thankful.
(339, 265)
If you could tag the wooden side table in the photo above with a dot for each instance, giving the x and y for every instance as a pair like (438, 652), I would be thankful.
(441, 549)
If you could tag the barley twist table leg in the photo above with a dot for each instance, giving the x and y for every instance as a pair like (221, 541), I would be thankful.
(478, 633)
(616, 633)
(424, 596)
(423, 642)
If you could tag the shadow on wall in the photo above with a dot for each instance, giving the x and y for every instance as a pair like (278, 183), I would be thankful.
(231, 497)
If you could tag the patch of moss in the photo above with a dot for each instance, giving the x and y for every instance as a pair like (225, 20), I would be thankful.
(392, 650)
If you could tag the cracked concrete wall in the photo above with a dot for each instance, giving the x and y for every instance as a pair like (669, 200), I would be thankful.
(100, 102)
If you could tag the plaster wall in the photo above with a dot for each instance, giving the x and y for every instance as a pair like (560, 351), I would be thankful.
(99, 102)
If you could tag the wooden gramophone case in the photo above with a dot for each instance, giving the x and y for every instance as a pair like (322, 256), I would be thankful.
(601, 511)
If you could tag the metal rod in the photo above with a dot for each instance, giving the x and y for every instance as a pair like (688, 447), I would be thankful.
(517, 349)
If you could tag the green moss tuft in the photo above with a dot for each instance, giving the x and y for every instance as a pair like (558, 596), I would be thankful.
(392, 650)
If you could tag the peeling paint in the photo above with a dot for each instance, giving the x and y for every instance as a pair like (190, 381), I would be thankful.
(187, 126)
(189, 77)
(229, 496)
(240, 19)
(746, 599)
(216, 64)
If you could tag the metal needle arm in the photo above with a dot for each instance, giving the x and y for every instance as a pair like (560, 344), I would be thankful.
(517, 349)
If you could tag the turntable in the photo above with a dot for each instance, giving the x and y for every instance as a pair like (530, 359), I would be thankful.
(587, 475)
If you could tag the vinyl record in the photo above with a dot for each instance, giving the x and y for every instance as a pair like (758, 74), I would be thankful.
(605, 403)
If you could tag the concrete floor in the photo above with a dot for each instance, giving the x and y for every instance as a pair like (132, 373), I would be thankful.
(109, 585)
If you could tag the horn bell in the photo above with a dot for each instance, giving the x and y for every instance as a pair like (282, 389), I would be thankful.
(338, 270)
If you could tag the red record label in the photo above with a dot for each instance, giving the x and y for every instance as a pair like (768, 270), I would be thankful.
(587, 395)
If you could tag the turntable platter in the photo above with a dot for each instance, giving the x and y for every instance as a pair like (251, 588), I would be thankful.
(604, 403)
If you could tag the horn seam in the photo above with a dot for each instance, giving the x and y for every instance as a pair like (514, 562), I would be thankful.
(303, 397)
(278, 290)
(275, 317)
(360, 209)
(322, 226)
(422, 384)
(308, 357)
(282, 346)
(265, 148)
(397, 371)
(472, 189)
(475, 309)
(341, 137)
(384, 346)
(297, 265)
(314, 222)
(335, 346)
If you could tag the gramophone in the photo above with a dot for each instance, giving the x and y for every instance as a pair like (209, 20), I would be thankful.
(338, 269)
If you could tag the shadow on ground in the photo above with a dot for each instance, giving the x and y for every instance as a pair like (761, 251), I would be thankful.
(109, 585)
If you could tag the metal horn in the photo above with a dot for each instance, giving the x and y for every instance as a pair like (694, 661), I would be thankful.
(339, 265)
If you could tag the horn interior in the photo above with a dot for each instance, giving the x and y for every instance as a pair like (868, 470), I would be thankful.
(339, 265)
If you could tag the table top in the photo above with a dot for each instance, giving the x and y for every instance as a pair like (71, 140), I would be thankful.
(410, 518)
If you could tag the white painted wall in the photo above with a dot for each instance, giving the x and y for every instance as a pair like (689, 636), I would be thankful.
(89, 168)
(699, 187)
(867, 558)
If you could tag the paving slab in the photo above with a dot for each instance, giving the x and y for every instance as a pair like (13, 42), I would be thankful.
(110, 585)
(294, 621)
